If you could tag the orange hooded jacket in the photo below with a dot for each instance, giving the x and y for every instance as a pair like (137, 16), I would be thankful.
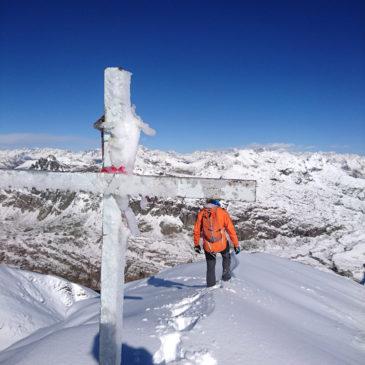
(224, 221)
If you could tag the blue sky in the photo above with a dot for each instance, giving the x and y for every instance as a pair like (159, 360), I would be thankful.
(206, 74)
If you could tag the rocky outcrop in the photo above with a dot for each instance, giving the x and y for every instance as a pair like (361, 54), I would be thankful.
(49, 163)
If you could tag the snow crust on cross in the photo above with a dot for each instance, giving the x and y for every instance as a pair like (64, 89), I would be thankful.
(122, 126)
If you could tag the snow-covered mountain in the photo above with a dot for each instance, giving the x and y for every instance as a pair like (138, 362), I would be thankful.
(274, 311)
(310, 207)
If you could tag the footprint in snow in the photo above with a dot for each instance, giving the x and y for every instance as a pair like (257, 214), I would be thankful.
(183, 317)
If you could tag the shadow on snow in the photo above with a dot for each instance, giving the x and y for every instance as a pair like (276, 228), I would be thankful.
(130, 355)
(158, 282)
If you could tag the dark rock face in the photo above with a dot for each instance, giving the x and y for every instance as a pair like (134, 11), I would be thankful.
(144, 226)
(43, 232)
(44, 203)
(169, 229)
(50, 163)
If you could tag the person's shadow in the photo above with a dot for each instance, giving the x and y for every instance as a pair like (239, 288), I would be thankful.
(130, 355)
(159, 282)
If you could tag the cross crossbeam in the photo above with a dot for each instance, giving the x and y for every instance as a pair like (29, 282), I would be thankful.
(120, 184)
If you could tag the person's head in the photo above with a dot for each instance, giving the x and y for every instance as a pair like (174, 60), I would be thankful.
(214, 201)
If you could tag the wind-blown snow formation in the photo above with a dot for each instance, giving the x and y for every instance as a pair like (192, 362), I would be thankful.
(31, 301)
(310, 207)
(274, 311)
(122, 125)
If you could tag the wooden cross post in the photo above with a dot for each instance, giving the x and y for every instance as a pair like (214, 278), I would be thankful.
(115, 189)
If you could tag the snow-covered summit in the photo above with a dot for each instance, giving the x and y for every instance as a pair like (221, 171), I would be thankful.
(274, 311)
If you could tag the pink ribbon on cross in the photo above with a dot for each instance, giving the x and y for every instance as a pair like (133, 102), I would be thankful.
(114, 170)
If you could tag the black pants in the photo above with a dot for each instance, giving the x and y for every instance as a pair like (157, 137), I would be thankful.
(226, 263)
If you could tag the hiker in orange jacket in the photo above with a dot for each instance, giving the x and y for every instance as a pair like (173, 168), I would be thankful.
(212, 224)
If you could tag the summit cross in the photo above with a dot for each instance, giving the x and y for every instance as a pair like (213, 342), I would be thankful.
(122, 123)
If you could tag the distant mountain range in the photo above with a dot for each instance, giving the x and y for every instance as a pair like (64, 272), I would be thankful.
(310, 207)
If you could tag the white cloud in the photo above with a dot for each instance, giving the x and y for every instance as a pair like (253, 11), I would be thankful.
(291, 147)
(271, 146)
(16, 140)
(339, 146)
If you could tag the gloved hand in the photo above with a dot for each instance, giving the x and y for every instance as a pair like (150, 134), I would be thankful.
(197, 249)
(237, 250)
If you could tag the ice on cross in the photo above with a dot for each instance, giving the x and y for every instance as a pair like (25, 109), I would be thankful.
(123, 127)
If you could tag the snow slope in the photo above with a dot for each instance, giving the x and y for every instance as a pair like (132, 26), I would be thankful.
(274, 311)
(30, 301)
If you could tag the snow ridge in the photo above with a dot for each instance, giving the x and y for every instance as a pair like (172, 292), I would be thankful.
(273, 311)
